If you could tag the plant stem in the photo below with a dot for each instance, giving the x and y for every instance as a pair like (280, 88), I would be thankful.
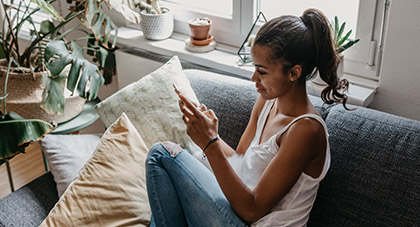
(69, 17)
(5, 86)
(14, 40)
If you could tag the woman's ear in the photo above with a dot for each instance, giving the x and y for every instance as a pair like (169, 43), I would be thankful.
(295, 73)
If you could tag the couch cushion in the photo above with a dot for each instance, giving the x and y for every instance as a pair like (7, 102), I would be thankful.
(374, 174)
(29, 205)
(232, 99)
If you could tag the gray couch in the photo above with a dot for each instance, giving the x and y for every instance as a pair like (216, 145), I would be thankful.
(374, 179)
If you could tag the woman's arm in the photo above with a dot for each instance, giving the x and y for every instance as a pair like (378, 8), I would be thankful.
(304, 141)
(248, 133)
(299, 146)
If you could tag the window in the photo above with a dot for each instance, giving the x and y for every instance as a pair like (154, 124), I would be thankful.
(230, 23)
(232, 20)
(359, 16)
(38, 17)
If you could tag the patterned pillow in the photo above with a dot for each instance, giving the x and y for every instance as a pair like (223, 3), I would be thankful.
(152, 105)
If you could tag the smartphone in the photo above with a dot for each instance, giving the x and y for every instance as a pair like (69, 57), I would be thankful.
(176, 89)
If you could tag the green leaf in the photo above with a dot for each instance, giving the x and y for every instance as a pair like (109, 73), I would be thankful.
(347, 45)
(342, 40)
(46, 7)
(59, 48)
(46, 27)
(17, 133)
(98, 22)
(81, 72)
(53, 100)
(125, 9)
(340, 32)
(2, 53)
(335, 28)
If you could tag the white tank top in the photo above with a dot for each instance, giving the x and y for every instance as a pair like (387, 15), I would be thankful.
(294, 208)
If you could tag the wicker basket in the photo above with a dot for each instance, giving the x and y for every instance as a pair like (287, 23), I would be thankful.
(25, 89)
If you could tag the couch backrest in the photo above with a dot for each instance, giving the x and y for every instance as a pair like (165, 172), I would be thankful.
(374, 178)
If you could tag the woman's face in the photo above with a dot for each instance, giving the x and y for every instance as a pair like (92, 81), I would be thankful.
(269, 78)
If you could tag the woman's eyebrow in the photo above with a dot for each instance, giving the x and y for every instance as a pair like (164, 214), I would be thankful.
(260, 66)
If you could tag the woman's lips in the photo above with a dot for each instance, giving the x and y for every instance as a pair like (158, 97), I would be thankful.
(260, 89)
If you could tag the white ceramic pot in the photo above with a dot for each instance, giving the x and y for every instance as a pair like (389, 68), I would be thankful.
(157, 26)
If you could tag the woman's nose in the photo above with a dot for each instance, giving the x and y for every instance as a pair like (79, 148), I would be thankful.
(254, 77)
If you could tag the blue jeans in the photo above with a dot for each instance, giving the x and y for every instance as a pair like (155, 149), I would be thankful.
(183, 192)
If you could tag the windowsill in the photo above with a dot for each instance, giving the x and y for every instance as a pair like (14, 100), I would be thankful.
(224, 58)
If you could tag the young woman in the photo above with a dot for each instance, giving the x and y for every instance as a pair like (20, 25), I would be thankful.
(273, 176)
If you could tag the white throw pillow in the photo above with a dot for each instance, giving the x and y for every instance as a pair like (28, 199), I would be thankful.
(152, 106)
(66, 155)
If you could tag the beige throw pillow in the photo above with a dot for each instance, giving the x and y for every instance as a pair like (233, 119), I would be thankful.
(111, 188)
(152, 105)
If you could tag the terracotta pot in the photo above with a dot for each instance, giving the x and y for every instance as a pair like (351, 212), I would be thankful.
(200, 28)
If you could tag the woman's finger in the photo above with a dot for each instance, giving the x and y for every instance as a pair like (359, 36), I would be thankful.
(185, 119)
(191, 106)
(203, 107)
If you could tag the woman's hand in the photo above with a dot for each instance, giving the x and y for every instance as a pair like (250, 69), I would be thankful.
(202, 124)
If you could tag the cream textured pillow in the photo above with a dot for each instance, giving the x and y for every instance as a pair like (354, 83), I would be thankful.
(111, 188)
(152, 105)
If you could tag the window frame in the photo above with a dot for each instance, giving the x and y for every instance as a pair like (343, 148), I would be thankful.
(229, 31)
(233, 32)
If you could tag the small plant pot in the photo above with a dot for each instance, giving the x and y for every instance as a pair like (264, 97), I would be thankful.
(200, 28)
(157, 26)
(201, 42)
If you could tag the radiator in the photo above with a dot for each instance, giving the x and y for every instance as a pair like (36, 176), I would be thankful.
(133, 63)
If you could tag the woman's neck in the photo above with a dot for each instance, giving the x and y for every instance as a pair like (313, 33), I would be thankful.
(295, 103)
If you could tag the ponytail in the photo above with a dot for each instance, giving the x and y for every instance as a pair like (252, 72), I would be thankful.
(306, 41)
(326, 58)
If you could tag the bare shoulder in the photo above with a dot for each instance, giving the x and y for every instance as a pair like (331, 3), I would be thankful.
(308, 135)
(309, 126)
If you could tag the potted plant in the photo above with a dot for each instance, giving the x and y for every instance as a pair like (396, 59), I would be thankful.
(62, 64)
(157, 22)
(341, 44)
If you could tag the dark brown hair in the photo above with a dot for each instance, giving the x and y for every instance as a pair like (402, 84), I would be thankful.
(305, 41)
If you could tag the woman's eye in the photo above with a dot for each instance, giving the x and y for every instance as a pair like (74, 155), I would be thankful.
(261, 72)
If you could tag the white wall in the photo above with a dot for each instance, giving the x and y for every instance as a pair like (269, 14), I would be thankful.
(399, 91)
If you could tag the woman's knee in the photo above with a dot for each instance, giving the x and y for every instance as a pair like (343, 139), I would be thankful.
(161, 149)
(157, 150)
(172, 147)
